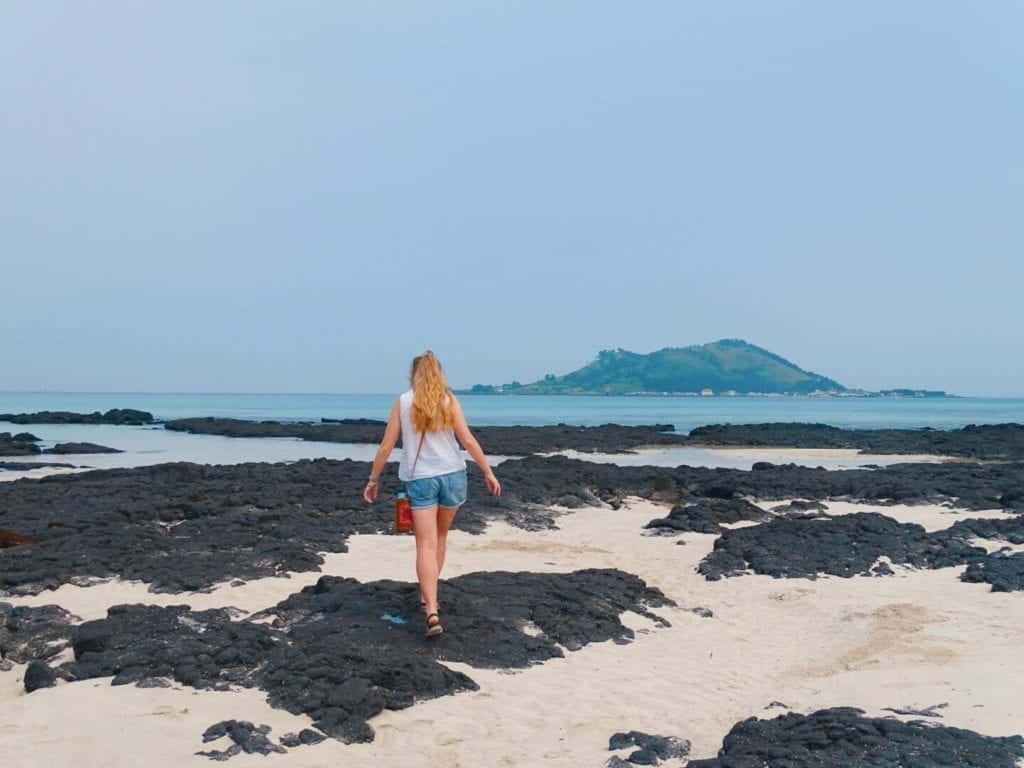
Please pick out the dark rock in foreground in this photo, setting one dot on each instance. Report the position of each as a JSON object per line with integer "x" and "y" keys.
{"x": 708, "y": 515}
{"x": 845, "y": 738}
{"x": 341, "y": 651}
{"x": 185, "y": 527}
{"x": 852, "y": 545}
{"x": 33, "y": 633}
{"x": 1005, "y": 572}
{"x": 988, "y": 441}
{"x": 651, "y": 749}
{"x": 502, "y": 441}
{"x": 846, "y": 545}
{"x": 124, "y": 416}
{"x": 39, "y": 675}
{"x": 71, "y": 448}
{"x": 245, "y": 737}
{"x": 305, "y": 737}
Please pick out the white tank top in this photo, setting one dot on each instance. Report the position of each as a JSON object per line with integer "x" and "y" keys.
{"x": 439, "y": 455}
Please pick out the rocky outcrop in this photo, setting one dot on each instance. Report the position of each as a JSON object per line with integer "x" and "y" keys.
{"x": 184, "y": 527}
{"x": 844, "y": 738}
{"x": 864, "y": 544}
{"x": 127, "y": 416}
{"x": 1003, "y": 570}
{"x": 23, "y": 444}
{"x": 80, "y": 448}
{"x": 342, "y": 651}
{"x": 244, "y": 736}
{"x": 707, "y": 516}
{"x": 23, "y": 466}
{"x": 846, "y": 545}
{"x": 649, "y": 749}
{"x": 997, "y": 442}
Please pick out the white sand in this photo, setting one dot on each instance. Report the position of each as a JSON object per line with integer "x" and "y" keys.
{"x": 918, "y": 638}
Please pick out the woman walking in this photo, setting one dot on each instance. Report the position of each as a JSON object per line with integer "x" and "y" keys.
{"x": 430, "y": 420}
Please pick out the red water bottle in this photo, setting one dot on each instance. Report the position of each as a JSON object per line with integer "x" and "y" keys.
{"x": 403, "y": 513}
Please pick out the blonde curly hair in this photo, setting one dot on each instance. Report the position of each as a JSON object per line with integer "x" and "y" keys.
{"x": 431, "y": 402}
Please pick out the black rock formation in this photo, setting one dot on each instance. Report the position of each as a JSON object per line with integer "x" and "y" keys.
{"x": 651, "y": 749}
{"x": 846, "y": 545}
{"x": 70, "y": 448}
{"x": 1005, "y": 572}
{"x": 39, "y": 675}
{"x": 245, "y": 737}
{"x": 305, "y": 737}
{"x": 341, "y": 651}
{"x": 124, "y": 416}
{"x": 22, "y": 444}
{"x": 989, "y": 441}
{"x": 852, "y": 545}
{"x": 33, "y": 633}
{"x": 707, "y": 516}
{"x": 845, "y": 738}
{"x": 185, "y": 527}
{"x": 23, "y": 466}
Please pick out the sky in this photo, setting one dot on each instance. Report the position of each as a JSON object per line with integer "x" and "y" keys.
{"x": 298, "y": 197}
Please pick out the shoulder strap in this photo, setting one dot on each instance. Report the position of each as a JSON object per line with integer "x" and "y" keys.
{"x": 417, "y": 459}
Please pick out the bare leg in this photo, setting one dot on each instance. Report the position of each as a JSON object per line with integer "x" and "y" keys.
{"x": 445, "y": 517}
{"x": 425, "y": 528}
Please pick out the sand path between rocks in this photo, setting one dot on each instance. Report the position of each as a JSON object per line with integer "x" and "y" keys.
{"x": 916, "y": 639}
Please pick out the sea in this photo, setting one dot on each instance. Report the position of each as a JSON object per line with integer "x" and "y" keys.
{"x": 153, "y": 444}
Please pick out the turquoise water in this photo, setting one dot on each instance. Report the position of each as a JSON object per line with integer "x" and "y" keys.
{"x": 684, "y": 412}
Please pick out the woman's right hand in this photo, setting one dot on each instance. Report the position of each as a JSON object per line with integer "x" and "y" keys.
{"x": 370, "y": 492}
{"x": 492, "y": 484}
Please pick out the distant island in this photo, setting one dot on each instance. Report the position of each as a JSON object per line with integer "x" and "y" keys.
{"x": 725, "y": 367}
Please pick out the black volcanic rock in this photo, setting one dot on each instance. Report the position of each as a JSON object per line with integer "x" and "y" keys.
{"x": 124, "y": 416}
{"x": 74, "y": 448}
{"x": 183, "y": 527}
{"x": 846, "y": 545}
{"x": 1003, "y": 442}
{"x": 708, "y": 515}
{"x": 845, "y": 738}
{"x": 38, "y": 675}
{"x": 245, "y": 737}
{"x": 651, "y": 749}
{"x": 115, "y": 416}
{"x": 33, "y": 633}
{"x": 22, "y": 444}
{"x": 23, "y": 466}
{"x": 1004, "y": 571}
{"x": 502, "y": 441}
{"x": 342, "y": 651}
{"x": 305, "y": 737}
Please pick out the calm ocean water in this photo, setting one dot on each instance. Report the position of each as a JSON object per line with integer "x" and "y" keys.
{"x": 684, "y": 412}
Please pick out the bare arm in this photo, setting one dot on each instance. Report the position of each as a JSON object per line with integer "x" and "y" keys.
{"x": 387, "y": 444}
{"x": 469, "y": 442}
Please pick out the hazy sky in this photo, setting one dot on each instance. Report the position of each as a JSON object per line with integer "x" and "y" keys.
{"x": 251, "y": 196}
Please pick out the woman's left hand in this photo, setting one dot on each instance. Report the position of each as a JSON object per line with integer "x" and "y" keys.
{"x": 370, "y": 492}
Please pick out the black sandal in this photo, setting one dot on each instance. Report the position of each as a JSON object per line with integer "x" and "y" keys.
{"x": 434, "y": 627}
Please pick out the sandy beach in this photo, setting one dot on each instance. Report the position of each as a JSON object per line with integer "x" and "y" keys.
{"x": 914, "y": 640}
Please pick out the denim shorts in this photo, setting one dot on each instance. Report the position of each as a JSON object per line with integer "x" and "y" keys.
{"x": 442, "y": 490}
